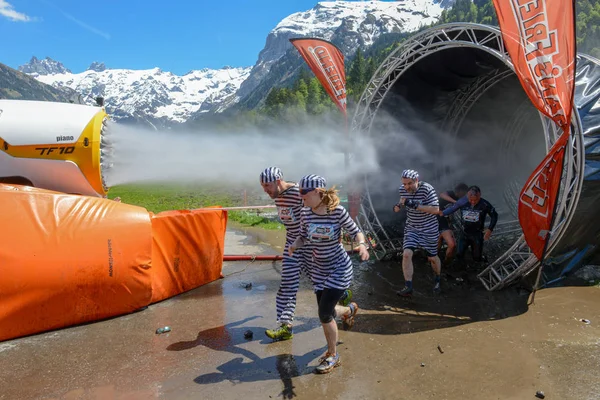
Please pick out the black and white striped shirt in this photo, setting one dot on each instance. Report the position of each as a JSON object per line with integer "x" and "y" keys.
{"x": 420, "y": 221}
{"x": 289, "y": 206}
{"x": 331, "y": 266}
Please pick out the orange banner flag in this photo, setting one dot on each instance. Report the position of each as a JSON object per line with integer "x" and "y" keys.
{"x": 540, "y": 39}
{"x": 327, "y": 63}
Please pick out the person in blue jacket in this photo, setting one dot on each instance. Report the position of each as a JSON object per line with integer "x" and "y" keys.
{"x": 474, "y": 209}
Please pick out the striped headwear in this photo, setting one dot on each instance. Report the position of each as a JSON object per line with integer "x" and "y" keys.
{"x": 312, "y": 182}
{"x": 410, "y": 174}
{"x": 270, "y": 174}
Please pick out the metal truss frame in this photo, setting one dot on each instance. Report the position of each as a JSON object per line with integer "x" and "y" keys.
{"x": 518, "y": 260}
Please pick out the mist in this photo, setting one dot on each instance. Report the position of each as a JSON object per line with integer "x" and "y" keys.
{"x": 399, "y": 138}
{"x": 483, "y": 151}
{"x": 139, "y": 155}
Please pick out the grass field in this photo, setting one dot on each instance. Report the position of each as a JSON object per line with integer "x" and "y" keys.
{"x": 164, "y": 197}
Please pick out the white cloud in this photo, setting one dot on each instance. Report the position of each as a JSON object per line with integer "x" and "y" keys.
{"x": 7, "y": 10}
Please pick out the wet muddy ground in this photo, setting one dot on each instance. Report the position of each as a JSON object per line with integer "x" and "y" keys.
{"x": 464, "y": 344}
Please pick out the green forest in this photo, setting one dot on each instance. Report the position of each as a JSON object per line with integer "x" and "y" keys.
{"x": 482, "y": 11}
{"x": 306, "y": 100}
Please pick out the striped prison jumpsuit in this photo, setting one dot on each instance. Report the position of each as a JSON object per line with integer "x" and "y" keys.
{"x": 289, "y": 204}
{"x": 421, "y": 229}
{"x": 331, "y": 267}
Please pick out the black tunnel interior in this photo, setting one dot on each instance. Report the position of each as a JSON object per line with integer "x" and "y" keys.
{"x": 496, "y": 146}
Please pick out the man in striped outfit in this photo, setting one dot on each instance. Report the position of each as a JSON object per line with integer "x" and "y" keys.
{"x": 289, "y": 204}
{"x": 421, "y": 229}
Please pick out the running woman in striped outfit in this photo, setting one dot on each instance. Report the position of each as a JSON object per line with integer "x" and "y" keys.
{"x": 289, "y": 204}
{"x": 421, "y": 229}
{"x": 322, "y": 220}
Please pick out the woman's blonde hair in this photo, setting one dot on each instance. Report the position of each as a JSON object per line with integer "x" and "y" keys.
{"x": 329, "y": 197}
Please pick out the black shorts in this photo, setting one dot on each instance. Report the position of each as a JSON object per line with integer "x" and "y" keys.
{"x": 327, "y": 299}
{"x": 474, "y": 241}
{"x": 443, "y": 223}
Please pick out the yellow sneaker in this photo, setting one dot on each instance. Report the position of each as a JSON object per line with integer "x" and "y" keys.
{"x": 284, "y": 332}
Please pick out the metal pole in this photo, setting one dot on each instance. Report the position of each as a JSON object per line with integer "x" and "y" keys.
{"x": 537, "y": 281}
{"x": 236, "y": 208}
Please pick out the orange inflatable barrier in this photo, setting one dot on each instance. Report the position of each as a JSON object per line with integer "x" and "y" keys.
{"x": 69, "y": 259}
{"x": 187, "y": 250}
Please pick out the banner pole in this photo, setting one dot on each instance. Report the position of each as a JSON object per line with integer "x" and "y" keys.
{"x": 347, "y": 146}
{"x": 539, "y": 275}
{"x": 546, "y": 243}
{"x": 351, "y": 186}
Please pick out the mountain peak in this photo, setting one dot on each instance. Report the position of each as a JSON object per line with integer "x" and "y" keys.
{"x": 97, "y": 66}
{"x": 327, "y": 16}
{"x": 163, "y": 97}
{"x": 348, "y": 24}
{"x": 47, "y": 66}
{"x": 154, "y": 95}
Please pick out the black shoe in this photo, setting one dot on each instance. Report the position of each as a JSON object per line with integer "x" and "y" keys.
{"x": 437, "y": 289}
{"x": 405, "y": 292}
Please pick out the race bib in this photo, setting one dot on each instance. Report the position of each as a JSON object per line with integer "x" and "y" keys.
{"x": 320, "y": 232}
{"x": 471, "y": 216}
{"x": 286, "y": 213}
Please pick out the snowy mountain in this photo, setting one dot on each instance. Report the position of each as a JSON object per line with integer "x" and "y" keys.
{"x": 348, "y": 24}
{"x": 153, "y": 96}
{"x": 47, "y": 66}
{"x": 159, "y": 97}
{"x": 19, "y": 86}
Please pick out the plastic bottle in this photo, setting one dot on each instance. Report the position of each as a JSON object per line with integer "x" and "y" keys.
{"x": 164, "y": 329}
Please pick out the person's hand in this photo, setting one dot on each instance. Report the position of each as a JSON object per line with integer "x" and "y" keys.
{"x": 291, "y": 250}
{"x": 414, "y": 204}
{"x": 487, "y": 235}
{"x": 397, "y": 207}
{"x": 440, "y": 213}
{"x": 364, "y": 253}
{"x": 402, "y": 200}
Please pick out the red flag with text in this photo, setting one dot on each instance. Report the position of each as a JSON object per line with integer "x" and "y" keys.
{"x": 539, "y": 36}
{"x": 327, "y": 63}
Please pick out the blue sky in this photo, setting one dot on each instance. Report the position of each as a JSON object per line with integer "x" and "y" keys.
{"x": 176, "y": 36}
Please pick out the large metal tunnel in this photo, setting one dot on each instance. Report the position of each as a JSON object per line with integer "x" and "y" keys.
{"x": 448, "y": 103}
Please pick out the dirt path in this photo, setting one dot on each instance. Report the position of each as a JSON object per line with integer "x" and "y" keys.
{"x": 494, "y": 346}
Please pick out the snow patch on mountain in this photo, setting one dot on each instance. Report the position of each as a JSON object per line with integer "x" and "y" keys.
{"x": 154, "y": 93}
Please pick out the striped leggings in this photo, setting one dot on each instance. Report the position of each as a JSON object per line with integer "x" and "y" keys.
{"x": 290, "y": 282}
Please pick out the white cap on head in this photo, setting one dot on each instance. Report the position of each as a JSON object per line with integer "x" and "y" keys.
{"x": 410, "y": 174}
{"x": 312, "y": 182}
{"x": 270, "y": 174}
